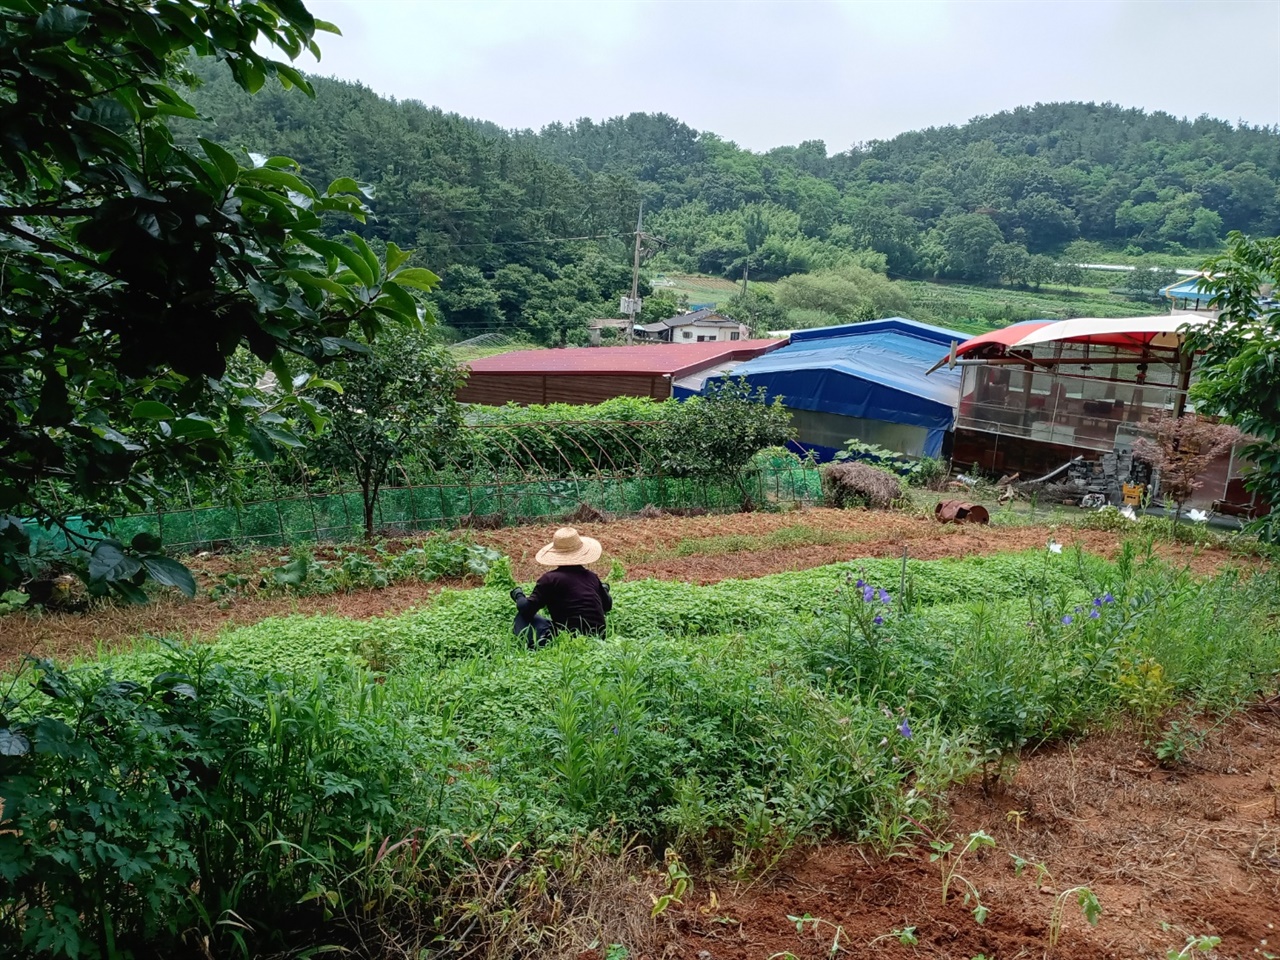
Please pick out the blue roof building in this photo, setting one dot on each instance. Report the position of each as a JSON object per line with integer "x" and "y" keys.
{"x": 866, "y": 381}
{"x": 1186, "y": 294}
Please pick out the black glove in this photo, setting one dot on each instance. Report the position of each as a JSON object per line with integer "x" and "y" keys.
{"x": 606, "y": 587}
{"x": 517, "y": 595}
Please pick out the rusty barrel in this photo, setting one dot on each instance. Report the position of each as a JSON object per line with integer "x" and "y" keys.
{"x": 958, "y": 511}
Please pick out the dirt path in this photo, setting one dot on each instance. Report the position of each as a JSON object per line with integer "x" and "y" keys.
{"x": 1170, "y": 854}
{"x": 703, "y": 549}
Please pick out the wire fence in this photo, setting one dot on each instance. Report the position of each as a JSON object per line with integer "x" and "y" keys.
{"x": 476, "y": 502}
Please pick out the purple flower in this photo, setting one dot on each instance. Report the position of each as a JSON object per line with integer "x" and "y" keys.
{"x": 1097, "y": 601}
{"x": 884, "y": 595}
{"x": 1094, "y": 614}
{"x": 905, "y": 728}
{"x": 877, "y": 620}
{"x": 1108, "y": 598}
{"x": 615, "y": 729}
{"x": 868, "y": 594}
{"x": 1067, "y": 619}
{"x": 861, "y": 583}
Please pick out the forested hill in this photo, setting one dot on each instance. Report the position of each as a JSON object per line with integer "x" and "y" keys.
{"x": 1045, "y": 175}
{"x": 496, "y": 211}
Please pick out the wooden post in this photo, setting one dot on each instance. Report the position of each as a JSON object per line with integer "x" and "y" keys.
{"x": 1184, "y": 383}
{"x": 635, "y": 275}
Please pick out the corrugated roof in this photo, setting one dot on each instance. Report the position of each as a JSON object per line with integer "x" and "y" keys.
{"x": 661, "y": 359}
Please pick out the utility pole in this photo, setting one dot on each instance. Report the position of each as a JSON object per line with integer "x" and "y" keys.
{"x": 745, "y": 268}
{"x": 634, "y": 302}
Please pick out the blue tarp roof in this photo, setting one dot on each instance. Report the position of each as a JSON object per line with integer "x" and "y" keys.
{"x": 873, "y": 371}
{"x": 1187, "y": 289}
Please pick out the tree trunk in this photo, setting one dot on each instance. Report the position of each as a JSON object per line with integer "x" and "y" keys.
{"x": 368, "y": 493}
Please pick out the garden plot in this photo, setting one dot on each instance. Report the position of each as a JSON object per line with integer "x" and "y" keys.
{"x": 750, "y": 729}
{"x": 697, "y": 549}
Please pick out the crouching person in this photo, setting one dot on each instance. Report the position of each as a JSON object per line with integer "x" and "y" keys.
{"x": 573, "y": 595}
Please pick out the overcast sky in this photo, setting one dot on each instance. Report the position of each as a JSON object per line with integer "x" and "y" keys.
{"x": 768, "y": 73}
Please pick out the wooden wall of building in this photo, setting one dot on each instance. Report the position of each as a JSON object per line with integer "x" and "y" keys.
{"x": 526, "y": 389}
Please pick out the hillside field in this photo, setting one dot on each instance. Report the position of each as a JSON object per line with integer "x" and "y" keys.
{"x": 816, "y": 779}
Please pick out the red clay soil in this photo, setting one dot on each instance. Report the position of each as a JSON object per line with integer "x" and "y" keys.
{"x": 1170, "y": 854}
{"x": 646, "y": 548}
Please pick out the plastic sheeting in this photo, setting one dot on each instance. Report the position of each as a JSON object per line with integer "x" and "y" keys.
{"x": 871, "y": 371}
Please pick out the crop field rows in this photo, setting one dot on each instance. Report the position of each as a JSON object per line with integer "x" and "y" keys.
{"x": 735, "y": 726}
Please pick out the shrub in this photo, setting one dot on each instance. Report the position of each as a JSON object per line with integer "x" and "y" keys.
{"x": 918, "y": 472}
{"x": 1181, "y": 449}
{"x": 204, "y": 800}
{"x": 714, "y": 436}
{"x": 860, "y": 484}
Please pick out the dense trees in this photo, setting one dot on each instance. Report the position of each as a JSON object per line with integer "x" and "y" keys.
{"x": 490, "y": 214}
{"x": 979, "y": 202}
{"x": 845, "y": 295}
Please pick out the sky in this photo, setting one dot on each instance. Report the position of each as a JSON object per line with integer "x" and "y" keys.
{"x": 766, "y": 73}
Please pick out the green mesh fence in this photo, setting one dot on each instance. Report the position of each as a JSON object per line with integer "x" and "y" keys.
{"x": 484, "y": 502}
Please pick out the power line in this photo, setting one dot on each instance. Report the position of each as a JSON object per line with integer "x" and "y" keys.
{"x": 518, "y": 243}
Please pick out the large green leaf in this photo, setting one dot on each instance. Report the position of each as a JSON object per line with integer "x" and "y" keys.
{"x": 13, "y": 744}
{"x": 279, "y": 178}
{"x": 108, "y": 562}
{"x": 352, "y": 260}
{"x": 395, "y": 257}
{"x": 170, "y": 573}
{"x": 419, "y": 278}
{"x": 152, "y": 410}
{"x": 222, "y": 159}
{"x": 363, "y": 248}
{"x": 61, "y": 22}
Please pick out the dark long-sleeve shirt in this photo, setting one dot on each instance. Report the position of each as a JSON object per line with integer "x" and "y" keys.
{"x": 574, "y": 597}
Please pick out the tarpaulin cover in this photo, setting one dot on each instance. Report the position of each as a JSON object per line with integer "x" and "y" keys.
{"x": 874, "y": 371}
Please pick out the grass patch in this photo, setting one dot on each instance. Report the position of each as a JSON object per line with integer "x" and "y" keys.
{"x": 973, "y": 309}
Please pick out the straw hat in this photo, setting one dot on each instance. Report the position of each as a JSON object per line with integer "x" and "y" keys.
{"x": 567, "y": 548}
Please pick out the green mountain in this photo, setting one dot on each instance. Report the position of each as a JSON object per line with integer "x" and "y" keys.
{"x": 502, "y": 214}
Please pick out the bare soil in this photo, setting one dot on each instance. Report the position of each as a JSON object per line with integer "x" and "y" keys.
{"x": 646, "y": 548}
{"x": 1170, "y": 854}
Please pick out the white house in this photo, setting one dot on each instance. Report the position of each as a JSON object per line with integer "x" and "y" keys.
{"x": 701, "y": 326}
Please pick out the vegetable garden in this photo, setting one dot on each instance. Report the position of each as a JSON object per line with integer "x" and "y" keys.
{"x": 422, "y": 782}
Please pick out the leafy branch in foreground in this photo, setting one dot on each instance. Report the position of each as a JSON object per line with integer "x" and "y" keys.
{"x": 134, "y": 269}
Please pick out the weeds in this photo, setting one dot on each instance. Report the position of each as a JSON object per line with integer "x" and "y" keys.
{"x": 349, "y": 568}
{"x": 1089, "y": 906}
{"x": 1194, "y": 945}
{"x": 815, "y": 925}
{"x": 942, "y": 853}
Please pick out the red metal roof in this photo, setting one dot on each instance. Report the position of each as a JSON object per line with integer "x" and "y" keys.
{"x": 656, "y": 360}
{"x": 1004, "y": 337}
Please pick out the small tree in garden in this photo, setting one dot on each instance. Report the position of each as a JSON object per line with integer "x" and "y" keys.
{"x": 1238, "y": 378}
{"x": 714, "y": 436}
{"x": 396, "y": 397}
{"x": 1181, "y": 449}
